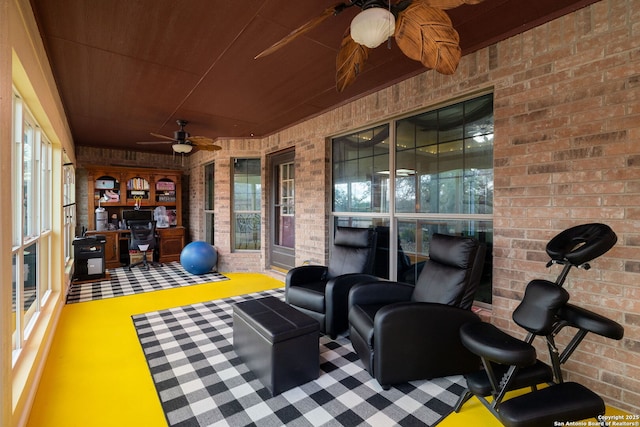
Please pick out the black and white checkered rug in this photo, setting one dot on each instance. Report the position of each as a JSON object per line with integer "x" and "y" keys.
{"x": 201, "y": 382}
{"x": 124, "y": 282}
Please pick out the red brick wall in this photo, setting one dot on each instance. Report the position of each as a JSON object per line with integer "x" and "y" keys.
{"x": 567, "y": 144}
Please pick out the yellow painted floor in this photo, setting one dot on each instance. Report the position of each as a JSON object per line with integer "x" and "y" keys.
{"x": 96, "y": 374}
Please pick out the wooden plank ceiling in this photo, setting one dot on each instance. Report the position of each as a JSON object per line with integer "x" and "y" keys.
{"x": 126, "y": 68}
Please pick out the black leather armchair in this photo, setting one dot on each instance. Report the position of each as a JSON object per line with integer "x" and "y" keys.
{"x": 322, "y": 291}
{"x": 403, "y": 332}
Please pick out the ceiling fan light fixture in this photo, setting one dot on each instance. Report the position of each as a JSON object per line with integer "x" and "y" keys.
{"x": 372, "y": 27}
{"x": 182, "y": 148}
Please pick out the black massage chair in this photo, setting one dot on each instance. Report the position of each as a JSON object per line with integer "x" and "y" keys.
{"x": 510, "y": 363}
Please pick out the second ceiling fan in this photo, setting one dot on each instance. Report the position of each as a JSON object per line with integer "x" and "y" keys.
{"x": 182, "y": 142}
{"x": 421, "y": 28}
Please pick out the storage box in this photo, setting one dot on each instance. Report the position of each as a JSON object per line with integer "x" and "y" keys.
{"x": 277, "y": 342}
{"x": 135, "y": 256}
{"x": 165, "y": 185}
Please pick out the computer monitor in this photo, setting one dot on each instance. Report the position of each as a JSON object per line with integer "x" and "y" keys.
{"x": 137, "y": 215}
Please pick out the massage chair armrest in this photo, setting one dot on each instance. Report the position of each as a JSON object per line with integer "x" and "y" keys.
{"x": 305, "y": 274}
{"x": 586, "y": 320}
{"x": 337, "y": 298}
{"x": 495, "y": 345}
{"x": 379, "y": 292}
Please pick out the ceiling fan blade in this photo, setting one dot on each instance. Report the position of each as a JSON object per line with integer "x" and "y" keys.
{"x": 447, "y": 4}
{"x": 198, "y": 140}
{"x": 330, "y": 11}
{"x": 162, "y": 136}
{"x": 350, "y": 61}
{"x": 211, "y": 147}
{"x": 203, "y": 143}
{"x": 426, "y": 34}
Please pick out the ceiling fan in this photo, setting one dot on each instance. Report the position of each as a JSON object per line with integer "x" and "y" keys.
{"x": 421, "y": 28}
{"x": 182, "y": 142}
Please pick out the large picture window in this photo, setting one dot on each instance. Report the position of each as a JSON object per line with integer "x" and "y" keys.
{"x": 432, "y": 174}
{"x": 31, "y": 219}
{"x": 247, "y": 194}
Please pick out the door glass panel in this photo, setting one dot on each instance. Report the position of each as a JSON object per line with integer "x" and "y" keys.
{"x": 285, "y": 209}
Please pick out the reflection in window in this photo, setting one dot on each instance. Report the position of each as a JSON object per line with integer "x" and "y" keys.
{"x": 247, "y": 193}
{"x": 30, "y": 280}
{"x": 361, "y": 171}
{"x": 28, "y": 185}
{"x": 449, "y": 153}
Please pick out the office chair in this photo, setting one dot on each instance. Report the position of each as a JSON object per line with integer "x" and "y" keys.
{"x": 143, "y": 239}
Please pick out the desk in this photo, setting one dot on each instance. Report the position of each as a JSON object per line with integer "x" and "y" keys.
{"x": 116, "y": 248}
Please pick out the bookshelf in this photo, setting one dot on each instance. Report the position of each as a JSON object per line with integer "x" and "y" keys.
{"x": 117, "y": 189}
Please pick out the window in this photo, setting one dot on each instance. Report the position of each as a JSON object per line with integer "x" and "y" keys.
{"x": 438, "y": 165}
{"x": 445, "y": 160}
{"x": 361, "y": 171}
{"x": 209, "y": 181}
{"x": 444, "y": 178}
{"x": 32, "y": 218}
{"x": 69, "y": 207}
{"x": 247, "y": 193}
{"x": 287, "y": 187}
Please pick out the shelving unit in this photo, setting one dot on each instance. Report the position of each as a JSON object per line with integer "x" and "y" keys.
{"x": 117, "y": 189}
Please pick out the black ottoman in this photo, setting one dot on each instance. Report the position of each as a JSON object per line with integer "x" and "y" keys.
{"x": 277, "y": 342}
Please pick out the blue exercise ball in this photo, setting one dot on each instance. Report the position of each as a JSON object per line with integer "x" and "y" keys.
{"x": 198, "y": 257}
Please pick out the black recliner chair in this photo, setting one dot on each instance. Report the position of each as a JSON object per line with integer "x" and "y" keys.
{"x": 322, "y": 291}
{"x": 510, "y": 363}
{"x": 403, "y": 332}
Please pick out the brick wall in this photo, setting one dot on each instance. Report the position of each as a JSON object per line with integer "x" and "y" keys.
{"x": 228, "y": 260}
{"x": 567, "y": 141}
{"x": 567, "y": 151}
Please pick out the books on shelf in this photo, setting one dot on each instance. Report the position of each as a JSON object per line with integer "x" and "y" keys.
{"x": 137, "y": 184}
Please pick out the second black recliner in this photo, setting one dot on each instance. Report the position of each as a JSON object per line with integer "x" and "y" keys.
{"x": 403, "y": 333}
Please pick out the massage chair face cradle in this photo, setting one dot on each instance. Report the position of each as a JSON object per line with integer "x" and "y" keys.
{"x": 511, "y": 364}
